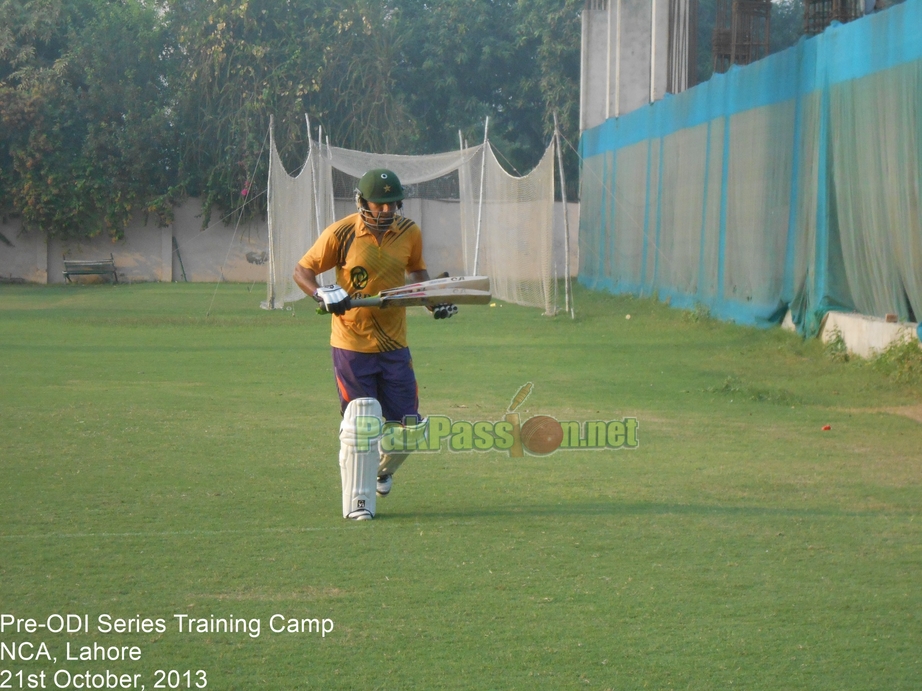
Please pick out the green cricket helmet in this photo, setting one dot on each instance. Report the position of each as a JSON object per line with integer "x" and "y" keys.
{"x": 380, "y": 186}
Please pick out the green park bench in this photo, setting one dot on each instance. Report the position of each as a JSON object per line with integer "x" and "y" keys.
{"x": 95, "y": 267}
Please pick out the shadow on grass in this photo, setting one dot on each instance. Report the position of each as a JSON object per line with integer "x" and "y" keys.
{"x": 624, "y": 509}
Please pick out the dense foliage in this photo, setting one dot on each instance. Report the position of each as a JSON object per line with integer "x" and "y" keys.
{"x": 84, "y": 114}
{"x": 109, "y": 107}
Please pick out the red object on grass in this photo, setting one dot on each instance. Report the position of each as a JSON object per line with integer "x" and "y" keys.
{"x": 826, "y": 428}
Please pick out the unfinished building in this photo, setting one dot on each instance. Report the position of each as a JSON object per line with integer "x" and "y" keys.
{"x": 742, "y": 29}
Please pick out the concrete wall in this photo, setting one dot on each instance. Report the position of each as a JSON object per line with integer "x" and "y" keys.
{"x": 27, "y": 259}
{"x": 228, "y": 252}
{"x": 237, "y": 254}
{"x": 865, "y": 336}
{"x": 619, "y": 37}
{"x": 138, "y": 256}
{"x": 594, "y": 106}
{"x": 146, "y": 252}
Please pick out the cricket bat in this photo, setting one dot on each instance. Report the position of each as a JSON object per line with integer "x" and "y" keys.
{"x": 459, "y": 290}
{"x": 427, "y": 298}
{"x": 442, "y": 282}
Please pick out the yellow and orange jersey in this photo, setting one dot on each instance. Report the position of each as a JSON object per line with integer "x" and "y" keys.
{"x": 365, "y": 268}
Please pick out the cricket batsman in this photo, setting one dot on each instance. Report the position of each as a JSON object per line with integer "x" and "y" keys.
{"x": 372, "y": 250}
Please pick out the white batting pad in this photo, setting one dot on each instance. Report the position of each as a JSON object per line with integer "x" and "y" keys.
{"x": 358, "y": 456}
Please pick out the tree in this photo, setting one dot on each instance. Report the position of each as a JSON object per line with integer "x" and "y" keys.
{"x": 787, "y": 24}
{"x": 108, "y": 107}
{"x": 398, "y": 76}
{"x": 84, "y": 102}
{"x": 364, "y": 76}
{"x": 552, "y": 31}
{"x": 241, "y": 61}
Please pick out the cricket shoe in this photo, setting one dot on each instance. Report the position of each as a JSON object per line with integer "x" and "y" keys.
{"x": 384, "y": 485}
{"x": 360, "y": 515}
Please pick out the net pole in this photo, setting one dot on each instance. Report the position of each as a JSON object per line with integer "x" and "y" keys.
{"x": 566, "y": 221}
{"x": 270, "y": 296}
{"x": 652, "y": 51}
{"x": 483, "y": 173}
{"x": 317, "y": 202}
{"x": 617, "y": 56}
{"x": 608, "y": 67}
{"x": 461, "y": 203}
{"x": 332, "y": 191}
{"x": 313, "y": 160}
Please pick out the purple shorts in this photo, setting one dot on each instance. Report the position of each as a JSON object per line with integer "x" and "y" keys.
{"x": 388, "y": 377}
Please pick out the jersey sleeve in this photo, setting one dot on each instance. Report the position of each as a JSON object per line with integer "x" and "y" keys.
{"x": 416, "y": 261}
{"x": 323, "y": 255}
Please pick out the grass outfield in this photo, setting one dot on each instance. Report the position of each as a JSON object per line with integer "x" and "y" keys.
{"x": 156, "y": 462}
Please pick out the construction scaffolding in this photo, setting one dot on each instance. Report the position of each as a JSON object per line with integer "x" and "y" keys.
{"x": 741, "y": 32}
{"x": 818, "y": 14}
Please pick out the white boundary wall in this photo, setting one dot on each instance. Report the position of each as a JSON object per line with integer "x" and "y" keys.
{"x": 146, "y": 253}
{"x": 864, "y": 336}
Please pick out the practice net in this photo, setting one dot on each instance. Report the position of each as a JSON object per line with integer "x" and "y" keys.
{"x": 475, "y": 217}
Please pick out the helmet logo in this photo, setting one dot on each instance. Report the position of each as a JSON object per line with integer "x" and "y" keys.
{"x": 387, "y": 188}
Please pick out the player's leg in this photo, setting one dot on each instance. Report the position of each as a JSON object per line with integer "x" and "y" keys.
{"x": 356, "y": 377}
{"x": 399, "y": 396}
{"x": 358, "y": 457}
{"x": 395, "y": 448}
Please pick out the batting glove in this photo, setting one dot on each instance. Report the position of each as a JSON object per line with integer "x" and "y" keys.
{"x": 333, "y": 299}
{"x": 444, "y": 311}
